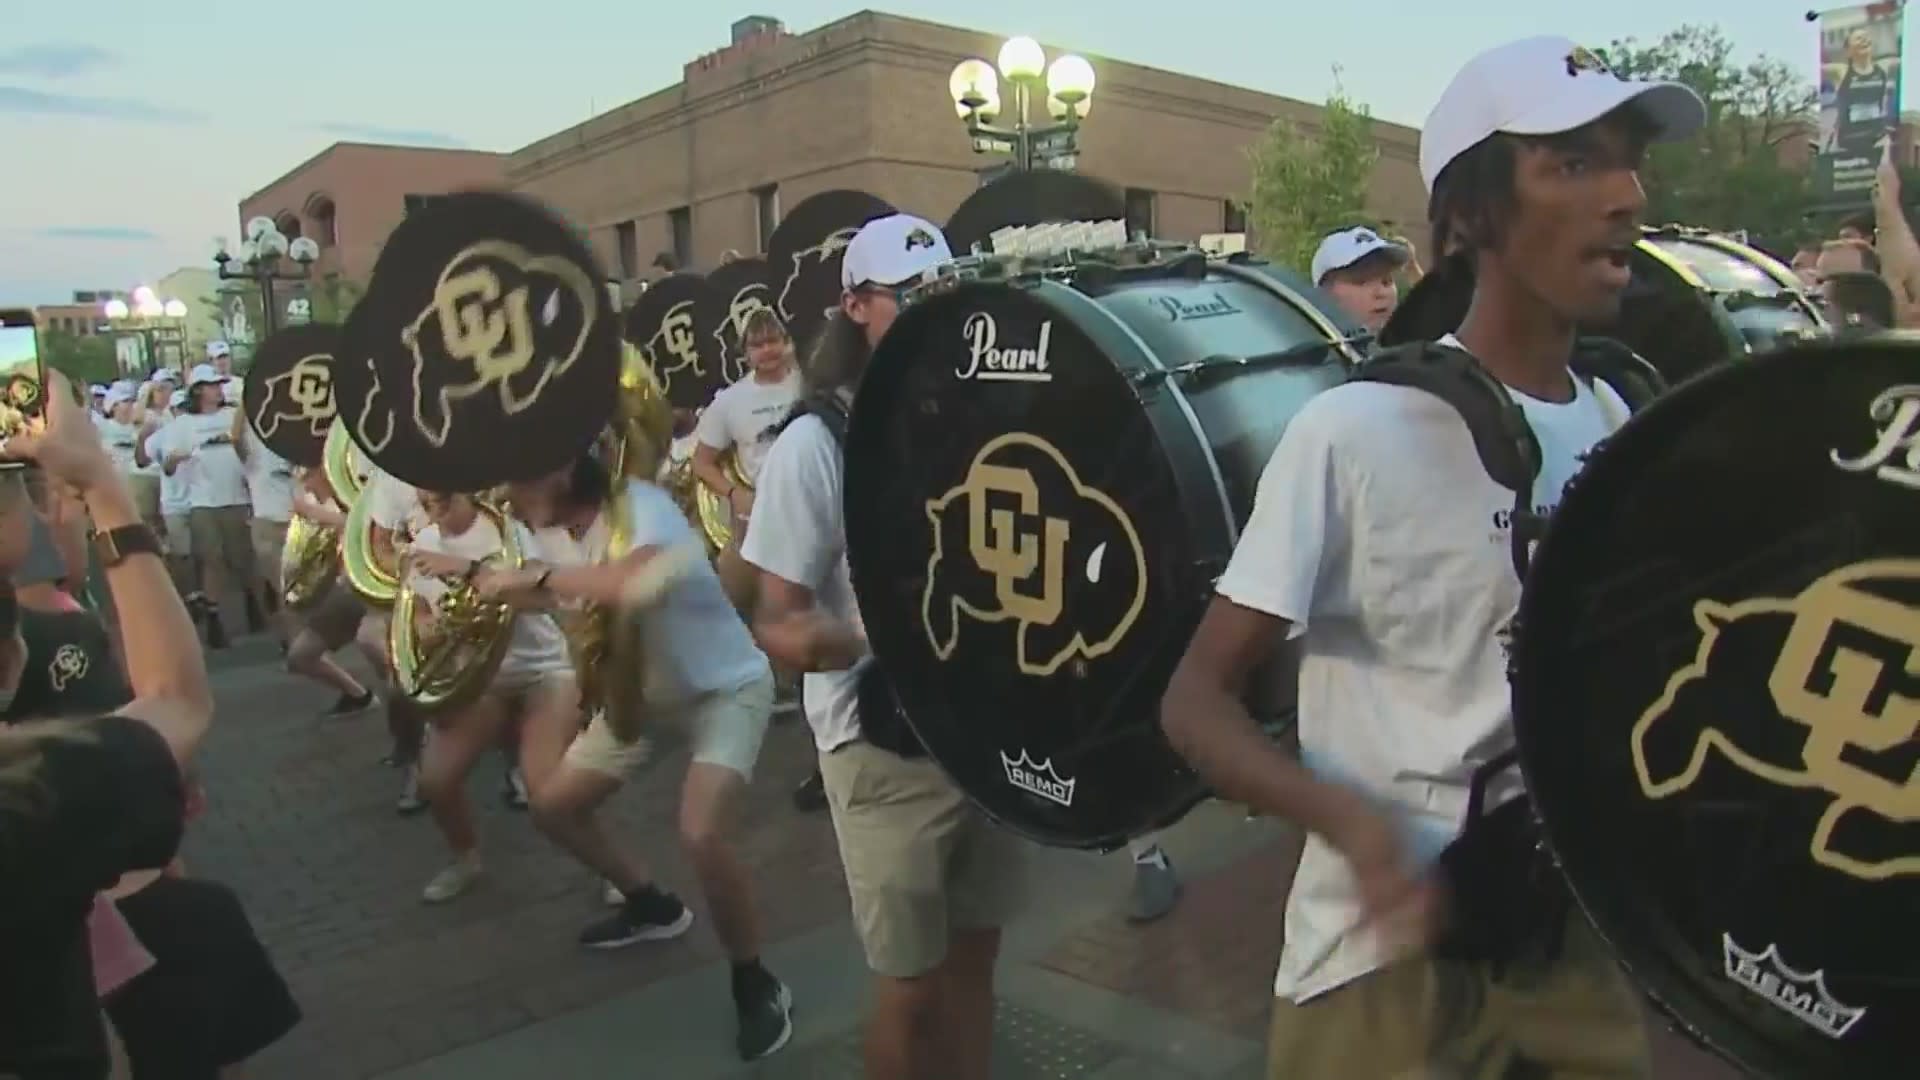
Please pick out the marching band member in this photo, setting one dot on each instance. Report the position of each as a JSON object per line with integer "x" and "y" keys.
{"x": 743, "y": 418}
{"x": 334, "y": 622}
{"x": 535, "y": 683}
{"x": 1368, "y": 542}
{"x": 395, "y": 514}
{"x": 703, "y": 672}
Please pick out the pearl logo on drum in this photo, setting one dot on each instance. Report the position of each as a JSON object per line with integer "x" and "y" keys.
{"x": 1895, "y": 455}
{"x": 989, "y": 361}
{"x": 1037, "y": 778}
{"x": 1802, "y": 994}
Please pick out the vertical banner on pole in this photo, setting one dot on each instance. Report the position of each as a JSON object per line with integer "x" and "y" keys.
{"x": 1859, "y": 99}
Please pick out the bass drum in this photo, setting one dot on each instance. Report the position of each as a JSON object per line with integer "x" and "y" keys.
{"x": 1697, "y": 298}
{"x": 1047, "y": 469}
{"x": 1716, "y": 698}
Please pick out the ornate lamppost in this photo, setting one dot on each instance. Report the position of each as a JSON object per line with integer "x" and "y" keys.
{"x": 261, "y": 262}
{"x": 1066, "y": 85}
{"x": 154, "y": 322}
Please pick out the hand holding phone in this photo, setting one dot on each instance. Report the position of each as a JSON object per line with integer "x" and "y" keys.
{"x": 23, "y": 376}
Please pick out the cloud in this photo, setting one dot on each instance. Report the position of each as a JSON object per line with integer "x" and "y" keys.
{"x": 19, "y": 99}
{"x": 111, "y": 233}
{"x": 55, "y": 61}
{"x": 376, "y": 133}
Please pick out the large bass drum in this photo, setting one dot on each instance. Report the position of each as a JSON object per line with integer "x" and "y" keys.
{"x": 1717, "y": 704}
{"x": 1047, "y": 468}
{"x": 1697, "y": 298}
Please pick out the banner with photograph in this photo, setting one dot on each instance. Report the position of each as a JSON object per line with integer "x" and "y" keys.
{"x": 1859, "y": 98}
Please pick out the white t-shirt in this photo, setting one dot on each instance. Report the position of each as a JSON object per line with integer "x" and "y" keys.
{"x": 537, "y": 645}
{"x": 798, "y": 534}
{"x": 173, "y": 488}
{"x": 214, "y": 475}
{"x": 269, "y": 479}
{"x": 694, "y": 640}
{"x": 119, "y": 440}
{"x": 230, "y": 390}
{"x": 1378, "y": 535}
{"x": 743, "y": 417}
{"x": 393, "y": 504}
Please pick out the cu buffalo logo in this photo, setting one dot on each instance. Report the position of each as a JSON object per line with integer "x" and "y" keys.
{"x": 815, "y": 268}
{"x": 1818, "y": 692}
{"x": 1022, "y": 540}
{"x": 69, "y": 666}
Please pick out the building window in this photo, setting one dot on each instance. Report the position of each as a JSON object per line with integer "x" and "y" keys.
{"x": 1233, "y": 217}
{"x": 626, "y": 239}
{"x": 321, "y": 212}
{"x": 1139, "y": 212}
{"x": 289, "y": 226}
{"x": 766, "y": 211}
{"x": 680, "y": 226}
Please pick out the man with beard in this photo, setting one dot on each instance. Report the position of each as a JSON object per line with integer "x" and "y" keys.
{"x": 1369, "y": 542}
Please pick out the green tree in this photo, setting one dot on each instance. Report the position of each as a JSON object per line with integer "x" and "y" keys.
{"x": 81, "y": 358}
{"x": 334, "y": 297}
{"x": 1741, "y": 171}
{"x": 1308, "y": 182}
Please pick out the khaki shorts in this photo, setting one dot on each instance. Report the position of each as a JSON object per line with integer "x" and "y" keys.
{"x": 179, "y": 535}
{"x": 336, "y": 618}
{"x": 724, "y": 728}
{"x": 921, "y": 861}
{"x": 221, "y": 534}
{"x": 1427, "y": 1019}
{"x": 145, "y": 489}
{"x": 269, "y": 542}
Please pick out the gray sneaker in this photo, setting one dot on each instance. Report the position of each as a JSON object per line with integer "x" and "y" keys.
{"x": 1156, "y": 888}
{"x": 410, "y": 801}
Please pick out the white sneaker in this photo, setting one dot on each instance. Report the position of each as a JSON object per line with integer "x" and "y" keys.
{"x": 450, "y": 883}
{"x": 611, "y": 895}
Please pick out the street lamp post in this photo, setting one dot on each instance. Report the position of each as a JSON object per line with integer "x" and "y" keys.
{"x": 1067, "y": 84}
{"x": 260, "y": 262}
{"x": 153, "y": 320}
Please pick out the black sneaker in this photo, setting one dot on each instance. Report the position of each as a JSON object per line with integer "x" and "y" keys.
{"x": 216, "y": 631}
{"x": 765, "y": 1011}
{"x": 650, "y": 914}
{"x": 351, "y": 706}
{"x": 811, "y": 795}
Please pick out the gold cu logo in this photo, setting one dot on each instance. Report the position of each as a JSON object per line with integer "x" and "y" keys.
{"x": 675, "y": 340}
{"x": 732, "y": 331}
{"x": 485, "y": 313}
{"x": 69, "y": 665}
{"x": 1840, "y": 713}
{"x": 1074, "y": 582}
{"x": 820, "y": 255}
{"x": 307, "y": 388}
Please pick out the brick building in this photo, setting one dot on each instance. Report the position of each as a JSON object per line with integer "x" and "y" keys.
{"x": 84, "y": 316}
{"x": 348, "y": 197}
{"x": 705, "y": 165}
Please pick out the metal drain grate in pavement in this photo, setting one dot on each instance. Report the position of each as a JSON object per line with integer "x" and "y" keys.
{"x": 1026, "y": 1046}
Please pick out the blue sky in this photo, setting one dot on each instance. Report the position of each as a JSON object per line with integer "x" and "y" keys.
{"x": 129, "y": 131}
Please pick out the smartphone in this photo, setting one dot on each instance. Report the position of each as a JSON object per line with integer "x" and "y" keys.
{"x": 23, "y": 376}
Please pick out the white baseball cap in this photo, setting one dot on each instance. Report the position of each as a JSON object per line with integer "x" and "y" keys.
{"x": 1348, "y": 246}
{"x": 118, "y": 393}
{"x": 205, "y": 373}
{"x": 1543, "y": 86}
{"x": 218, "y": 349}
{"x": 893, "y": 250}
{"x": 166, "y": 375}
{"x": 178, "y": 399}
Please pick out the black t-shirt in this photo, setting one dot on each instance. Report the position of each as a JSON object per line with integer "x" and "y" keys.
{"x": 70, "y": 669}
{"x": 1862, "y": 100}
{"x": 100, "y": 801}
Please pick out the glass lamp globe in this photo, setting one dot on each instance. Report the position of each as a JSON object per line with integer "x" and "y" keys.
{"x": 304, "y": 250}
{"x": 1070, "y": 78}
{"x": 258, "y": 226}
{"x": 116, "y": 309}
{"x": 972, "y": 84}
{"x": 176, "y": 309}
{"x": 1022, "y": 58}
{"x": 271, "y": 244}
{"x": 150, "y": 308}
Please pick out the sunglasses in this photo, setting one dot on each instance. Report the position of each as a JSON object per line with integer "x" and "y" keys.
{"x": 898, "y": 292}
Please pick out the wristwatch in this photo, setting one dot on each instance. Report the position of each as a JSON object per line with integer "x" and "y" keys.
{"x": 114, "y": 545}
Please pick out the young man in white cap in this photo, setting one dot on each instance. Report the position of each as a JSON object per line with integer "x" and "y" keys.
{"x": 220, "y": 358}
{"x": 1357, "y": 267}
{"x": 931, "y": 879}
{"x": 1532, "y": 159}
{"x": 200, "y": 441}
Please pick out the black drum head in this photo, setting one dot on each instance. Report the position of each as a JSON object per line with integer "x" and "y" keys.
{"x": 288, "y": 391}
{"x": 737, "y": 290}
{"x": 485, "y": 350}
{"x": 672, "y": 326}
{"x": 803, "y": 256}
{"x": 1020, "y": 570}
{"x": 1031, "y": 198}
{"x": 1716, "y": 692}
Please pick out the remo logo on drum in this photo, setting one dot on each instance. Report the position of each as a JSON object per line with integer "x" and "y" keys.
{"x": 1023, "y": 540}
{"x": 987, "y": 361}
{"x": 1838, "y": 715}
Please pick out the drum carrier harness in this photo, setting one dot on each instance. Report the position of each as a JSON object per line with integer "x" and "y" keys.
{"x": 882, "y": 722}
{"x": 1509, "y": 903}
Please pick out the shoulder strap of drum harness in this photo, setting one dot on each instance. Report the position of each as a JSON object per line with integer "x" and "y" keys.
{"x": 882, "y": 722}
{"x": 1508, "y": 903}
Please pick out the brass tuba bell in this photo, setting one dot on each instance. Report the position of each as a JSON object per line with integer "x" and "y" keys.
{"x": 455, "y": 663}
{"x": 375, "y": 578}
{"x": 310, "y": 561}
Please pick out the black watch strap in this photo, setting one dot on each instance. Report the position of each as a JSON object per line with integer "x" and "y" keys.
{"x": 114, "y": 545}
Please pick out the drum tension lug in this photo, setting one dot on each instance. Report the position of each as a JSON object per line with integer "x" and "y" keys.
{"x": 1210, "y": 369}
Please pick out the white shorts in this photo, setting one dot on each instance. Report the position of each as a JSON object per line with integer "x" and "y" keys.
{"x": 725, "y": 728}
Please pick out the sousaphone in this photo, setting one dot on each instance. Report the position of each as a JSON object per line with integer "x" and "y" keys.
{"x": 287, "y": 397}
{"x": 804, "y": 254}
{"x": 486, "y": 353}
{"x": 738, "y": 290}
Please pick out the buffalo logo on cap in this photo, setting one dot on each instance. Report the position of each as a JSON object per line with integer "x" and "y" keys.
{"x": 301, "y": 394}
{"x": 1023, "y": 540}
{"x": 672, "y": 349}
{"x": 919, "y": 238}
{"x": 501, "y": 320}
{"x": 70, "y": 664}
{"x": 1837, "y": 712}
{"x": 1585, "y": 59}
{"x": 731, "y": 333}
{"x": 819, "y": 255}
